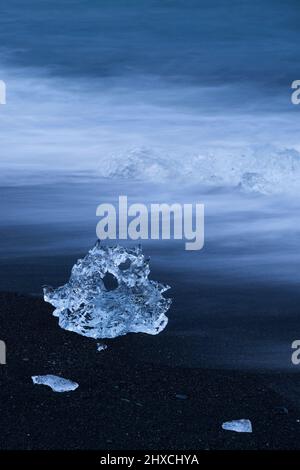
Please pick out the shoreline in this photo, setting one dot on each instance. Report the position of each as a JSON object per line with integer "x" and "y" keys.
{"x": 124, "y": 402}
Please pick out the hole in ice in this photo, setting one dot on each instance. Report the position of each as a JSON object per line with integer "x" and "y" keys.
{"x": 110, "y": 281}
{"x": 125, "y": 265}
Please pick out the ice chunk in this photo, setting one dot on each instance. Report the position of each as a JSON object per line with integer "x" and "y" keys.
{"x": 58, "y": 384}
{"x": 101, "y": 347}
{"x": 109, "y": 294}
{"x": 240, "y": 425}
{"x": 181, "y": 396}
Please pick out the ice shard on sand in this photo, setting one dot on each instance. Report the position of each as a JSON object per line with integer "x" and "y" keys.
{"x": 56, "y": 383}
{"x": 239, "y": 425}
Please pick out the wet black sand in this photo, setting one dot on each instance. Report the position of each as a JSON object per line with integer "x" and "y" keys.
{"x": 125, "y": 401}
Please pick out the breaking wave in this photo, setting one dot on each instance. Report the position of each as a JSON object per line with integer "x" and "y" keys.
{"x": 53, "y": 130}
{"x": 264, "y": 169}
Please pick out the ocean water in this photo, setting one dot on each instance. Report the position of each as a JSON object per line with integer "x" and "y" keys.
{"x": 153, "y": 89}
{"x": 164, "y": 101}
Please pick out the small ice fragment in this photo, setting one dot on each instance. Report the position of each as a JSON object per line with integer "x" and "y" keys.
{"x": 181, "y": 396}
{"x": 101, "y": 347}
{"x": 57, "y": 384}
{"x": 240, "y": 425}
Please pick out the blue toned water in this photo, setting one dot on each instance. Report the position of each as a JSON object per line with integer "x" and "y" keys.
{"x": 152, "y": 89}
{"x": 182, "y": 101}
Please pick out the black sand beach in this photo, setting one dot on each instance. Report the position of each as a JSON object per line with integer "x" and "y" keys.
{"x": 125, "y": 402}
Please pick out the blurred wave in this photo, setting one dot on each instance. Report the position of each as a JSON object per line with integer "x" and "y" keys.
{"x": 261, "y": 169}
{"x": 165, "y": 91}
{"x": 141, "y": 128}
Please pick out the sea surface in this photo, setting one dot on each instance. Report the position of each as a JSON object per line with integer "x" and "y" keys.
{"x": 162, "y": 101}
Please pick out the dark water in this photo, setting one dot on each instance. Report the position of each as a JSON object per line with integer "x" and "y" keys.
{"x": 206, "y": 41}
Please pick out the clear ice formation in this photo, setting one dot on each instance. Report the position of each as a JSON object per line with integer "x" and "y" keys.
{"x": 109, "y": 295}
{"x": 240, "y": 425}
{"x": 56, "y": 383}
